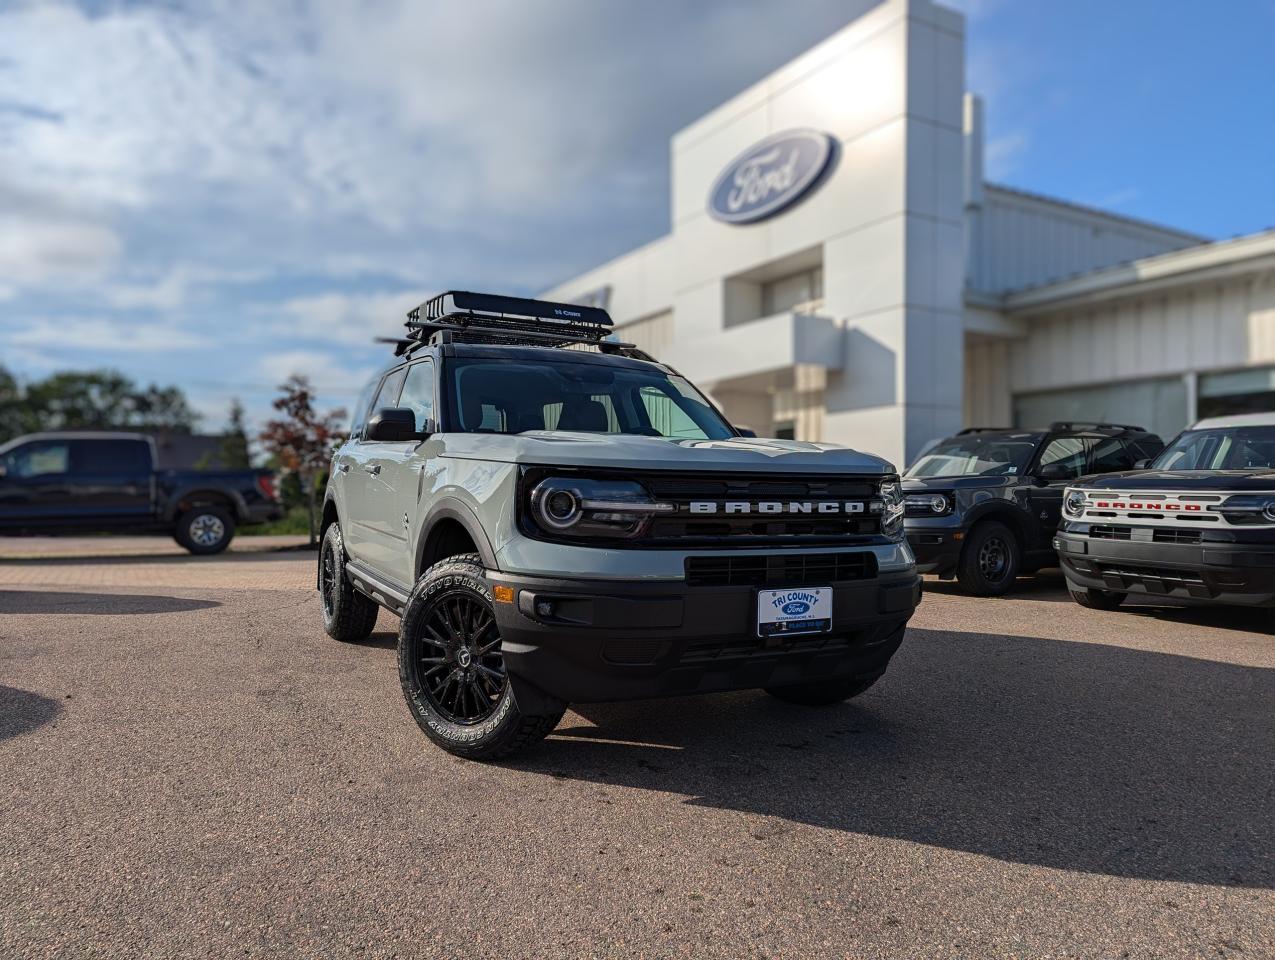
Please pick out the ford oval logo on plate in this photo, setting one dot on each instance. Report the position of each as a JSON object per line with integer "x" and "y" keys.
{"x": 770, "y": 176}
{"x": 796, "y": 608}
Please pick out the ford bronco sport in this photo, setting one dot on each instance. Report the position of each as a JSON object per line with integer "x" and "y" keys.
{"x": 556, "y": 517}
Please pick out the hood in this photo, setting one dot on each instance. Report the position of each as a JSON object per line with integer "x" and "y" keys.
{"x": 1227, "y": 481}
{"x": 924, "y": 484}
{"x": 629, "y": 452}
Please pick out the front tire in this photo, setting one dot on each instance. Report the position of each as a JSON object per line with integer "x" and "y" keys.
{"x": 1096, "y": 599}
{"x": 205, "y": 530}
{"x": 452, "y": 670}
{"x": 821, "y": 693}
{"x": 348, "y": 616}
{"x": 990, "y": 560}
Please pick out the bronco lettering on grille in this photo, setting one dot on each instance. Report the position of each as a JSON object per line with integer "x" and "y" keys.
{"x": 1151, "y": 507}
{"x": 777, "y": 506}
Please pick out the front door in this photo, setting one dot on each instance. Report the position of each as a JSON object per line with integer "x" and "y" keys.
{"x": 35, "y": 490}
{"x": 1061, "y": 461}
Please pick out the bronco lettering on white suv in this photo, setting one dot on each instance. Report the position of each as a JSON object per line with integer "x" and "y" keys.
{"x": 567, "y": 525}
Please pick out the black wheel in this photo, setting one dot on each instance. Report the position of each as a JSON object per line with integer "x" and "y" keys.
{"x": 348, "y": 616}
{"x": 452, "y": 669}
{"x": 205, "y": 530}
{"x": 989, "y": 560}
{"x": 821, "y": 693}
{"x": 1096, "y": 599}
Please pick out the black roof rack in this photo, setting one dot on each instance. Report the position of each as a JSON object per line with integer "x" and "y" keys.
{"x": 989, "y": 430}
{"x": 1082, "y": 425}
{"x": 492, "y": 318}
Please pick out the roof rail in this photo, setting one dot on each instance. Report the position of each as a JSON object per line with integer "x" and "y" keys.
{"x": 492, "y": 318}
{"x": 1083, "y": 425}
{"x": 969, "y": 430}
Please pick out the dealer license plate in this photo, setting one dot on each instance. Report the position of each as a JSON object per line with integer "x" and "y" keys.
{"x": 799, "y": 610}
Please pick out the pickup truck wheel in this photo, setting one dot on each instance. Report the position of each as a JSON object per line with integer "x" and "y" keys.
{"x": 990, "y": 560}
{"x": 1097, "y": 599}
{"x": 204, "y": 530}
{"x": 821, "y": 693}
{"x": 452, "y": 669}
{"x": 348, "y": 616}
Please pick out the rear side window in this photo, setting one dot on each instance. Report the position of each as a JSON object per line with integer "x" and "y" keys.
{"x": 1110, "y": 456}
{"x": 110, "y": 457}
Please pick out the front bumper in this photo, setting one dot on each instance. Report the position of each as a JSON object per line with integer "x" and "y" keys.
{"x": 1207, "y": 572}
{"x": 936, "y": 542}
{"x": 265, "y": 512}
{"x": 630, "y": 640}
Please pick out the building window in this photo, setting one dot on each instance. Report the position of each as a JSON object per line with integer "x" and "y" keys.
{"x": 786, "y": 431}
{"x": 798, "y": 292}
{"x": 1240, "y": 391}
{"x": 1160, "y": 405}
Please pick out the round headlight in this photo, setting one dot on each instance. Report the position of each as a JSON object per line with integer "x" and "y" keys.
{"x": 1268, "y": 511}
{"x": 557, "y": 507}
{"x": 1074, "y": 503}
{"x": 938, "y": 503}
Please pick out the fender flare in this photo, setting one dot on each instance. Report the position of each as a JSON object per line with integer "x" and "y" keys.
{"x": 453, "y": 508}
{"x": 236, "y": 499}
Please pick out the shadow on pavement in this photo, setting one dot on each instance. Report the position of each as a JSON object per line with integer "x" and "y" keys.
{"x": 1069, "y": 755}
{"x": 67, "y": 560}
{"x": 22, "y": 711}
{"x": 111, "y": 604}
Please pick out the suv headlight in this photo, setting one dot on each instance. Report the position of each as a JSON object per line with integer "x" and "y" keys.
{"x": 1074, "y": 503}
{"x": 1248, "y": 509}
{"x": 585, "y": 507}
{"x": 926, "y": 504}
{"x": 892, "y": 508}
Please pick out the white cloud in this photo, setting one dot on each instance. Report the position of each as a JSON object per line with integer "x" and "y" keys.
{"x": 344, "y": 317}
{"x": 326, "y": 373}
{"x": 36, "y": 250}
{"x": 101, "y": 334}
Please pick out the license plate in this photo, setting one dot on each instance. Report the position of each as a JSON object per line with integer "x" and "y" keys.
{"x": 799, "y": 610}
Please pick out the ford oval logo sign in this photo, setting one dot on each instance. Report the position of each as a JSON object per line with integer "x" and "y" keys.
{"x": 770, "y": 176}
{"x": 795, "y": 608}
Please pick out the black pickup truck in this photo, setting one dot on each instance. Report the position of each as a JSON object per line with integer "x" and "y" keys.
{"x": 108, "y": 482}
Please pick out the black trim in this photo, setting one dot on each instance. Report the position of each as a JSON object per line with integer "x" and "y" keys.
{"x": 452, "y": 508}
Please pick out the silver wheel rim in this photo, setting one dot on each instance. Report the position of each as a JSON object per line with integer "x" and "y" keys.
{"x": 207, "y": 530}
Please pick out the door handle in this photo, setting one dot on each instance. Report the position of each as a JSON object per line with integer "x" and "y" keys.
{"x": 372, "y": 468}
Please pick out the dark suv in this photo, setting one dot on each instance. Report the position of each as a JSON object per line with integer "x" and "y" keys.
{"x": 983, "y": 506}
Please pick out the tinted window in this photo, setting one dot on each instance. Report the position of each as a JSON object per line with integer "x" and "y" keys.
{"x": 1110, "y": 456}
{"x": 111, "y": 457}
{"x": 418, "y": 393}
{"x": 40, "y": 459}
{"x": 1063, "y": 458}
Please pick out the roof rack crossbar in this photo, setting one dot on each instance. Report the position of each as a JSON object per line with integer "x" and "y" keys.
{"x": 1085, "y": 425}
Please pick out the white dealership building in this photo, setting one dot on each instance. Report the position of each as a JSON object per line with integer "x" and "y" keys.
{"x": 839, "y": 269}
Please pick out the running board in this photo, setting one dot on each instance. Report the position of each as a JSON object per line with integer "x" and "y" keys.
{"x": 369, "y": 584}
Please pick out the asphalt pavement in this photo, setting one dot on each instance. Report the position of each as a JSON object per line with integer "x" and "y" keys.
{"x": 189, "y": 767}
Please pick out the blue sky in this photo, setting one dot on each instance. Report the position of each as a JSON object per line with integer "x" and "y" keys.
{"x": 218, "y": 195}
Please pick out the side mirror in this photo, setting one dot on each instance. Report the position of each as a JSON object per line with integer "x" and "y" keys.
{"x": 392, "y": 424}
{"x": 1047, "y": 475}
{"x": 745, "y": 432}
{"x": 1142, "y": 464}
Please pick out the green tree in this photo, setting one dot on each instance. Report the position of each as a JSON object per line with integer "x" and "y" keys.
{"x": 15, "y": 416}
{"x": 234, "y": 448}
{"x": 105, "y": 400}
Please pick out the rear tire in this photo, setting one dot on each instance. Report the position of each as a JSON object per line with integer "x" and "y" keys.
{"x": 205, "y": 530}
{"x": 990, "y": 560}
{"x": 821, "y": 693}
{"x": 348, "y": 616}
{"x": 1097, "y": 599}
{"x": 453, "y": 672}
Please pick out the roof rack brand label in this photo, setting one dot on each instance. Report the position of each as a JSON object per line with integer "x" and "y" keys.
{"x": 770, "y": 176}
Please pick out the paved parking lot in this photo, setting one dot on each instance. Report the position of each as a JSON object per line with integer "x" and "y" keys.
{"x": 189, "y": 767}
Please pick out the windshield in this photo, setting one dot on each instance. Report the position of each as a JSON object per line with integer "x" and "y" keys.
{"x": 977, "y": 454}
{"x": 1224, "y": 448}
{"x": 509, "y": 396}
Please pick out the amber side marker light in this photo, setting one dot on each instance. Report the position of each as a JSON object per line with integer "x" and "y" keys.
{"x": 503, "y": 594}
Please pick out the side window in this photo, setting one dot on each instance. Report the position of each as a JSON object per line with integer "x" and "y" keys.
{"x": 39, "y": 459}
{"x": 110, "y": 458}
{"x": 388, "y": 394}
{"x": 1111, "y": 456}
{"x": 418, "y": 393}
{"x": 1062, "y": 459}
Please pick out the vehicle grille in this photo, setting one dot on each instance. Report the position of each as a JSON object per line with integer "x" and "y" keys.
{"x": 1102, "y": 531}
{"x": 1170, "y": 535}
{"x": 788, "y": 525}
{"x": 794, "y": 570}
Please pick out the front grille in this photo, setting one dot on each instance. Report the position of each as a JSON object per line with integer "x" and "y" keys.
{"x": 1155, "y": 580}
{"x": 1176, "y": 536}
{"x": 793, "y": 570}
{"x": 795, "y": 502}
{"x": 1103, "y": 531}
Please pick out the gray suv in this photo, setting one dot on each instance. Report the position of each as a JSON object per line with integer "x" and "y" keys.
{"x": 558, "y": 518}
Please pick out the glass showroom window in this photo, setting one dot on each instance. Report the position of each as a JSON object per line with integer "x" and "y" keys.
{"x": 1240, "y": 391}
{"x": 1159, "y": 405}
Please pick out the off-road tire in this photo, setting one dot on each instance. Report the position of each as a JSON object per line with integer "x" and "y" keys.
{"x": 821, "y": 693}
{"x": 1097, "y": 599}
{"x": 204, "y": 530}
{"x": 506, "y": 729}
{"x": 348, "y": 615}
{"x": 990, "y": 560}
